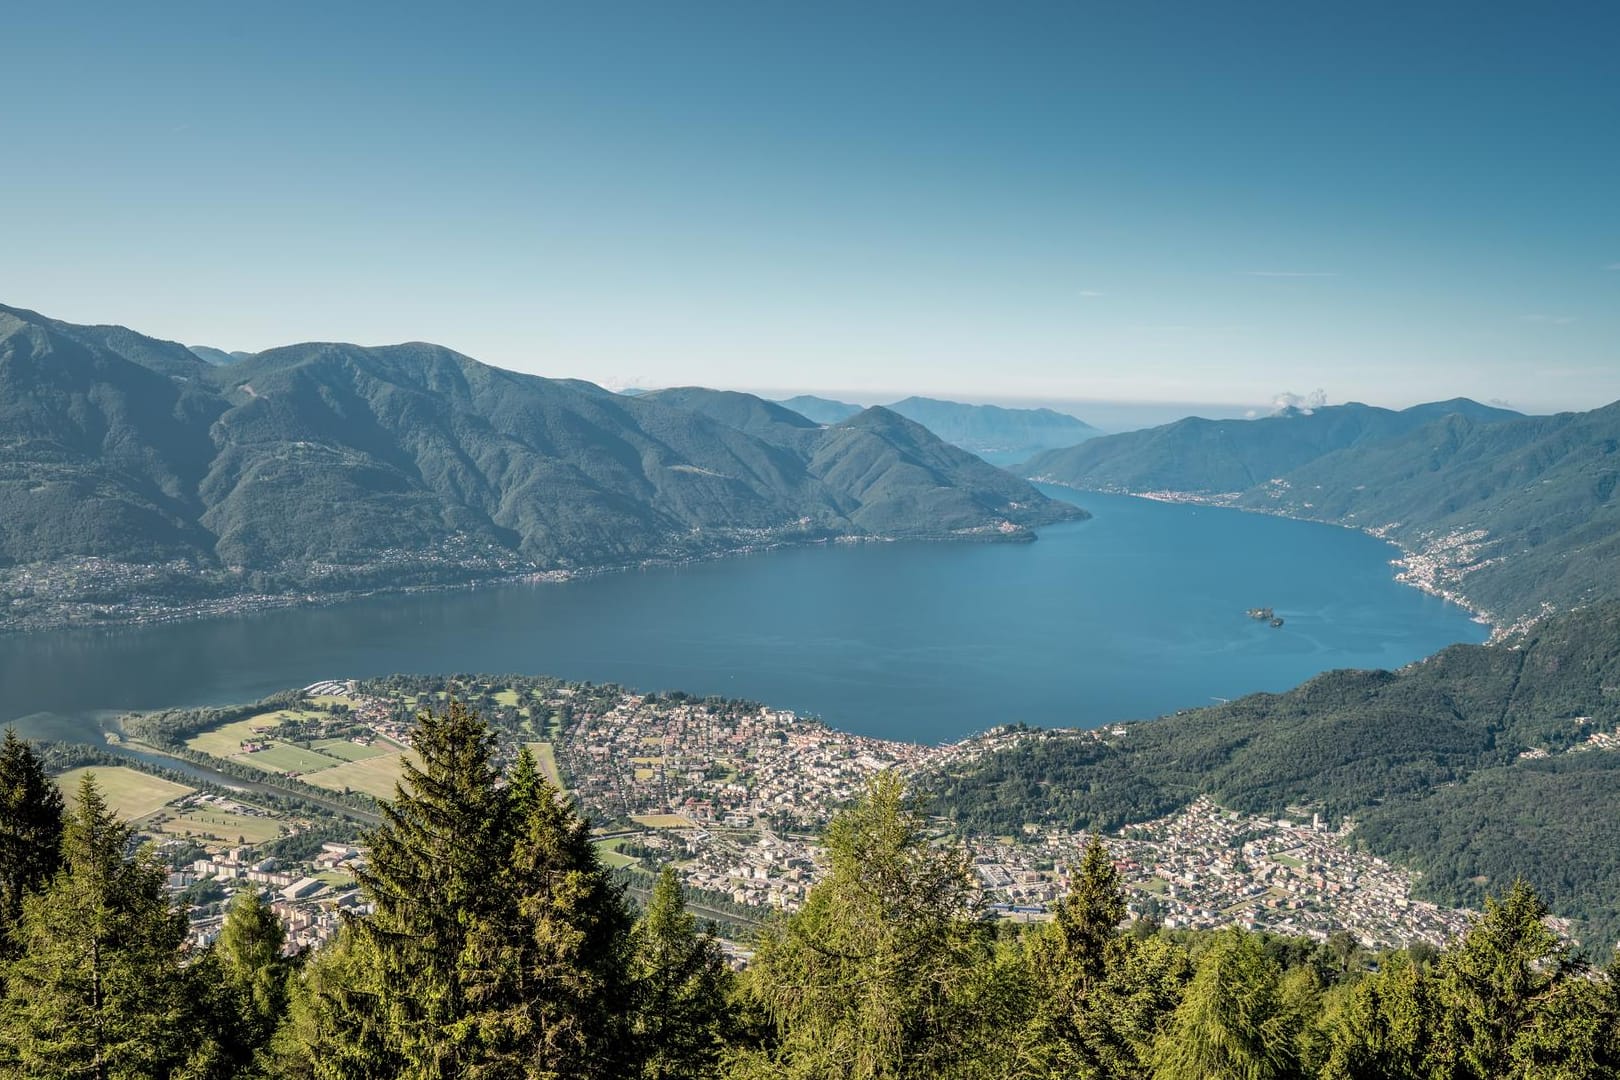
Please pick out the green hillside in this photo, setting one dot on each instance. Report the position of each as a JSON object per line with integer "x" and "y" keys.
{"x": 1514, "y": 514}
{"x": 1427, "y": 759}
{"x": 333, "y": 467}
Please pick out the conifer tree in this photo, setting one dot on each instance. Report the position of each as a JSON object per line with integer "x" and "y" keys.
{"x": 98, "y": 990}
{"x": 1385, "y": 1028}
{"x": 1232, "y": 1023}
{"x": 548, "y": 972}
{"x": 1097, "y": 995}
{"x": 683, "y": 988}
{"x": 432, "y": 876}
{"x": 30, "y": 831}
{"x": 872, "y": 978}
{"x": 248, "y": 976}
{"x": 1495, "y": 978}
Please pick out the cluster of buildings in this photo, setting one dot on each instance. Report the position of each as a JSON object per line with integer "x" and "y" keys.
{"x": 733, "y": 795}
{"x": 727, "y": 764}
{"x": 1206, "y": 867}
{"x": 310, "y": 907}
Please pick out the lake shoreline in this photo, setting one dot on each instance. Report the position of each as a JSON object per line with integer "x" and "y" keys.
{"x": 1410, "y": 573}
{"x": 236, "y": 605}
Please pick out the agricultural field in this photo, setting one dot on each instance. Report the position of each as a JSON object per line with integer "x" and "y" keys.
{"x": 375, "y": 776}
{"x": 663, "y": 821}
{"x": 222, "y": 827}
{"x": 344, "y": 750}
{"x": 288, "y": 759}
{"x": 131, "y": 793}
{"x": 612, "y": 858}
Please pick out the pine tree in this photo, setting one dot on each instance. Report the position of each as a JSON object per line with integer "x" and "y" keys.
{"x": 432, "y": 876}
{"x": 1385, "y": 1029}
{"x": 1097, "y": 995}
{"x": 249, "y": 976}
{"x": 98, "y": 990}
{"x": 1232, "y": 1024}
{"x": 30, "y": 831}
{"x": 872, "y": 978}
{"x": 683, "y": 988}
{"x": 1495, "y": 978}
{"x": 548, "y": 973}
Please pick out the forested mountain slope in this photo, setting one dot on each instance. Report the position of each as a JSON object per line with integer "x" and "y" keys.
{"x": 336, "y": 466}
{"x": 1222, "y": 456}
{"x": 1000, "y": 434}
{"x": 1429, "y": 760}
{"x": 1515, "y": 515}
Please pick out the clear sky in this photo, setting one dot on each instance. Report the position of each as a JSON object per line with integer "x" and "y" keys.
{"x": 1178, "y": 202}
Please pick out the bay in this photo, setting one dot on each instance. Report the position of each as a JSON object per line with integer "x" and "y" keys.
{"x": 1132, "y": 614}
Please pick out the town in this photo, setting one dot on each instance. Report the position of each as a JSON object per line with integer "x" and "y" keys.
{"x": 734, "y": 795}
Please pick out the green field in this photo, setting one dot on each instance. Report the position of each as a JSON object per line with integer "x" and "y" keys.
{"x": 344, "y": 750}
{"x": 221, "y": 826}
{"x": 375, "y": 776}
{"x": 286, "y": 758}
{"x": 509, "y": 698}
{"x": 545, "y": 756}
{"x": 226, "y": 740}
{"x": 131, "y": 793}
{"x": 663, "y": 821}
{"x": 611, "y": 856}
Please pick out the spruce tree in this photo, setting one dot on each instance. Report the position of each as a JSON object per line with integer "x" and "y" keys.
{"x": 433, "y": 875}
{"x": 1097, "y": 996}
{"x": 1385, "y": 1029}
{"x": 1232, "y": 1023}
{"x": 249, "y": 976}
{"x": 30, "y": 831}
{"x": 1495, "y": 978}
{"x": 98, "y": 990}
{"x": 873, "y": 977}
{"x": 683, "y": 988}
{"x": 548, "y": 976}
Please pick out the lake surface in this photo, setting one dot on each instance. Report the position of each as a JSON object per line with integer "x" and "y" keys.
{"x": 1135, "y": 613}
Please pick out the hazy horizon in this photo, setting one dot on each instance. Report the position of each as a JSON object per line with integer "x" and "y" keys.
{"x": 1195, "y": 205}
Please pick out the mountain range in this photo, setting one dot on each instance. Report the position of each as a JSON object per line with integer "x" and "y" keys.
{"x": 334, "y": 467}
{"x": 1515, "y": 515}
{"x": 999, "y": 435}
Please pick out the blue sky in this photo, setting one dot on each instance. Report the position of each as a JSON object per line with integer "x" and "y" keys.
{"x": 1162, "y": 202}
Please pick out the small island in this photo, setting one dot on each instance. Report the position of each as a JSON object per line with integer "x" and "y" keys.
{"x": 1261, "y": 613}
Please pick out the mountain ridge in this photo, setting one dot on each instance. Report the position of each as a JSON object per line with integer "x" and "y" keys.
{"x": 337, "y": 467}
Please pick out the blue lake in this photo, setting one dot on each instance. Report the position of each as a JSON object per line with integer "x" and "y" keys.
{"x": 1135, "y": 613}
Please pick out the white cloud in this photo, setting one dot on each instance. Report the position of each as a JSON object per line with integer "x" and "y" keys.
{"x": 1307, "y": 403}
{"x": 1554, "y": 320}
{"x": 1288, "y": 273}
{"x": 1612, "y": 266}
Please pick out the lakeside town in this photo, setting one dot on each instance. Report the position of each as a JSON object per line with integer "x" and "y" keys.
{"x": 734, "y": 796}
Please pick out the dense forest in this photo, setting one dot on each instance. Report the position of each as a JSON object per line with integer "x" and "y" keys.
{"x": 1426, "y": 759}
{"x": 497, "y": 946}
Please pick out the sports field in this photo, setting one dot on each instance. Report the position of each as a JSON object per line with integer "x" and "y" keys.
{"x": 131, "y": 793}
{"x": 286, "y": 758}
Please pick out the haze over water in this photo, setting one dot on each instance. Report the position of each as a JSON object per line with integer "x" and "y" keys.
{"x": 1135, "y": 613}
